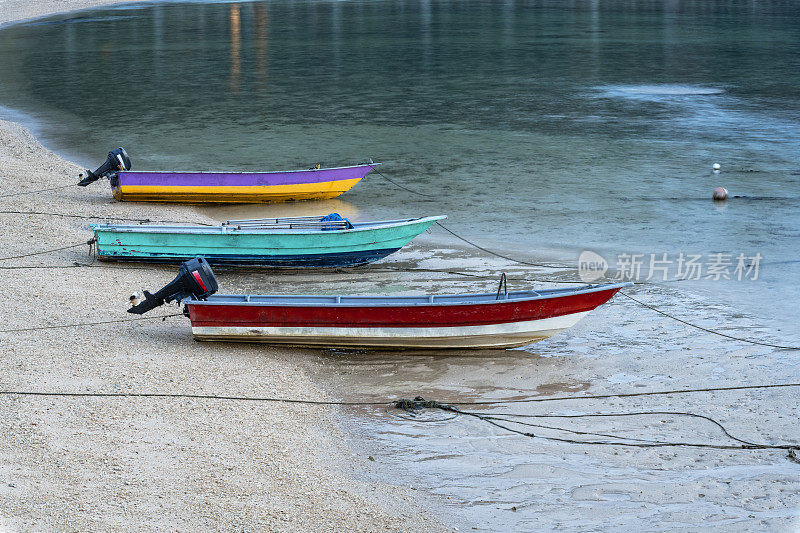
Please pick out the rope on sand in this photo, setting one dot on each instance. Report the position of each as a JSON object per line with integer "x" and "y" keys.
{"x": 104, "y": 217}
{"x": 90, "y": 242}
{"x": 23, "y": 193}
{"x": 500, "y": 420}
{"x": 83, "y": 324}
{"x": 417, "y": 404}
{"x": 375, "y": 403}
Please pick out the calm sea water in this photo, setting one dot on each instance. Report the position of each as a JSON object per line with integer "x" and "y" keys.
{"x": 542, "y": 128}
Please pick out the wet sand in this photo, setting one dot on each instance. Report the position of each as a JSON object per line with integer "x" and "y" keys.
{"x": 84, "y": 464}
{"x": 500, "y": 481}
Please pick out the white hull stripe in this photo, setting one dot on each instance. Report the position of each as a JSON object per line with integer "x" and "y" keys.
{"x": 506, "y": 334}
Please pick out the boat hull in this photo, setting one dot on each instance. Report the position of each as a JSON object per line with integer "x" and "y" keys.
{"x": 437, "y": 325}
{"x": 236, "y": 187}
{"x": 231, "y": 247}
{"x": 505, "y": 335}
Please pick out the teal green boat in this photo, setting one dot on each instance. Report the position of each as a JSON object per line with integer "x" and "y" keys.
{"x": 291, "y": 242}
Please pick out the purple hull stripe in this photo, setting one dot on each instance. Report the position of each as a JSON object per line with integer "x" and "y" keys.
{"x": 241, "y": 179}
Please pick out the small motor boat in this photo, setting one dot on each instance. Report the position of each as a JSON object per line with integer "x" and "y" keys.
{"x": 223, "y": 187}
{"x": 485, "y": 320}
{"x": 290, "y": 242}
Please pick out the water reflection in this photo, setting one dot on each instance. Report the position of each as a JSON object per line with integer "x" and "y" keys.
{"x": 323, "y": 207}
{"x": 262, "y": 48}
{"x": 236, "y": 47}
{"x": 448, "y": 375}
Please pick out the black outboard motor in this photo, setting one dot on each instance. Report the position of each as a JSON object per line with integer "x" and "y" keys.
{"x": 195, "y": 278}
{"x": 117, "y": 160}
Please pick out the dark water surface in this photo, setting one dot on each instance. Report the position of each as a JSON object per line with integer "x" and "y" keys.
{"x": 541, "y": 128}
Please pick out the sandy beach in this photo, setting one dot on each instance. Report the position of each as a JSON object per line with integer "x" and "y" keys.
{"x": 17, "y": 10}
{"x": 132, "y": 465}
{"x": 172, "y": 464}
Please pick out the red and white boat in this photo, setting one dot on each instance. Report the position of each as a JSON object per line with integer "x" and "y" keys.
{"x": 487, "y": 320}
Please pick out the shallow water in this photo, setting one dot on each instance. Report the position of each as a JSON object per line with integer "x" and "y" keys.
{"x": 541, "y": 128}
{"x": 492, "y": 480}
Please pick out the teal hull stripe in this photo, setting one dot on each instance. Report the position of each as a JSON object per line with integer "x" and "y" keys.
{"x": 253, "y": 248}
{"x": 273, "y": 261}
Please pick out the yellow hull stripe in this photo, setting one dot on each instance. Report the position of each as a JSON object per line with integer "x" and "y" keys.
{"x": 234, "y": 194}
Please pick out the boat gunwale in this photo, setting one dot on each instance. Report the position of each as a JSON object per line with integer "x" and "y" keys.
{"x": 257, "y": 172}
{"x": 232, "y": 230}
{"x": 486, "y": 298}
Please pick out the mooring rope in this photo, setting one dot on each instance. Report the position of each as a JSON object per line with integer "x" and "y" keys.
{"x": 105, "y": 217}
{"x": 457, "y": 236}
{"x": 364, "y": 403}
{"x": 415, "y": 406}
{"x": 399, "y": 185}
{"x": 90, "y": 242}
{"x": 187, "y": 396}
{"x": 93, "y": 264}
{"x": 597, "y": 434}
{"x": 35, "y": 267}
{"x": 632, "y": 394}
{"x": 419, "y": 403}
{"x": 653, "y": 444}
{"x": 628, "y": 413}
{"x": 759, "y": 343}
{"x": 390, "y": 268}
{"x": 706, "y": 329}
{"x": 23, "y": 193}
{"x": 83, "y": 324}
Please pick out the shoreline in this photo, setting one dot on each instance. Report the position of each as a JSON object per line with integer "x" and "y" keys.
{"x": 88, "y": 463}
{"x": 190, "y": 464}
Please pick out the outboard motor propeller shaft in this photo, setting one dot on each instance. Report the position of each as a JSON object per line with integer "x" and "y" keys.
{"x": 195, "y": 278}
{"x": 117, "y": 160}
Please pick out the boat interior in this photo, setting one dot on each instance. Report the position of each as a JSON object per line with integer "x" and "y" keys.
{"x": 367, "y": 301}
{"x": 311, "y": 224}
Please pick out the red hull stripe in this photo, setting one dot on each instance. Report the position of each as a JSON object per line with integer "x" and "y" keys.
{"x": 199, "y": 280}
{"x": 233, "y": 315}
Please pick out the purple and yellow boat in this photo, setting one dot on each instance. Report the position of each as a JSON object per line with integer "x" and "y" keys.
{"x": 224, "y": 187}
